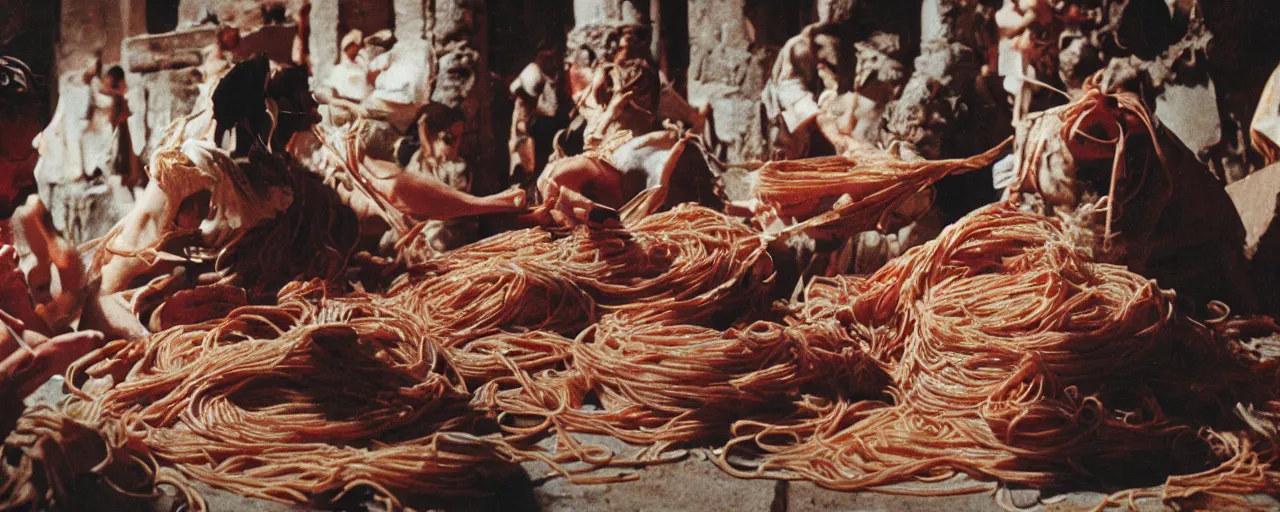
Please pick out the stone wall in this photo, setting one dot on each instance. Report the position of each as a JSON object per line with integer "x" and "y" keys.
{"x": 90, "y": 28}
{"x": 235, "y": 13}
{"x": 331, "y": 20}
{"x": 461, "y": 81}
{"x": 596, "y": 22}
{"x": 731, "y": 48}
{"x": 589, "y": 12}
{"x": 728, "y": 67}
{"x": 163, "y": 81}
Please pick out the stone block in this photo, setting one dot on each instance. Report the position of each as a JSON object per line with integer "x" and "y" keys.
{"x": 88, "y": 28}
{"x": 171, "y": 50}
{"x": 157, "y": 99}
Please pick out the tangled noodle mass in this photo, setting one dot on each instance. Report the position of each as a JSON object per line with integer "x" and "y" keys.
{"x": 997, "y": 350}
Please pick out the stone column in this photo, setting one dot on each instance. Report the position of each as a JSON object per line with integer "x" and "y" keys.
{"x": 411, "y": 19}
{"x": 596, "y": 20}
{"x": 163, "y": 77}
{"x": 450, "y": 38}
{"x": 727, "y": 69}
{"x": 133, "y": 17}
{"x": 461, "y": 81}
{"x": 655, "y": 21}
{"x": 323, "y": 43}
{"x": 931, "y": 104}
{"x": 89, "y": 28}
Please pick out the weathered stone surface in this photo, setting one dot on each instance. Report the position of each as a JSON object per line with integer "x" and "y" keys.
{"x": 172, "y": 50}
{"x": 686, "y": 485}
{"x": 461, "y": 81}
{"x": 597, "y": 22}
{"x": 690, "y": 482}
{"x": 160, "y": 98}
{"x": 235, "y": 13}
{"x": 727, "y": 70}
{"x": 807, "y": 497}
{"x": 587, "y": 12}
{"x": 928, "y": 110}
{"x": 84, "y": 159}
{"x": 411, "y": 21}
{"x": 89, "y": 28}
{"x": 323, "y": 43}
{"x": 456, "y": 20}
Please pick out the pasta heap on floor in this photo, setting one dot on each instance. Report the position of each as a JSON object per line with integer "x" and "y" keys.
{"x": 997, "y": 350}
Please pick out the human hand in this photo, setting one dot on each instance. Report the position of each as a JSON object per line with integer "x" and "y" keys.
{"x": 24, "y": 370}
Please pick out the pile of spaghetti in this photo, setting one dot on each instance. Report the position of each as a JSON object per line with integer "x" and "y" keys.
{"x": 997, "y": 351}
{"x": 325, "y": 392}
{"x": 1013, "y": 357}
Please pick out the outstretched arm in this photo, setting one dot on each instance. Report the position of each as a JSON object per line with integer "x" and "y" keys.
{"x": 425, "y": 197}
{"x": 592, "y": 178}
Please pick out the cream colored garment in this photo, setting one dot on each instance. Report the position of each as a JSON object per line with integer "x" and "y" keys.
{"x": 1265, "y": 131}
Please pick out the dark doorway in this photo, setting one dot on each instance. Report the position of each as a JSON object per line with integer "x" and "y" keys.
{"x": 674, "y": 41}
{"x": 162, "y": 16}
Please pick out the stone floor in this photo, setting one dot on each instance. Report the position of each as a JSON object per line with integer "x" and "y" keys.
{"x": 691, "y": 483}
{"x": 697, "y": 485}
